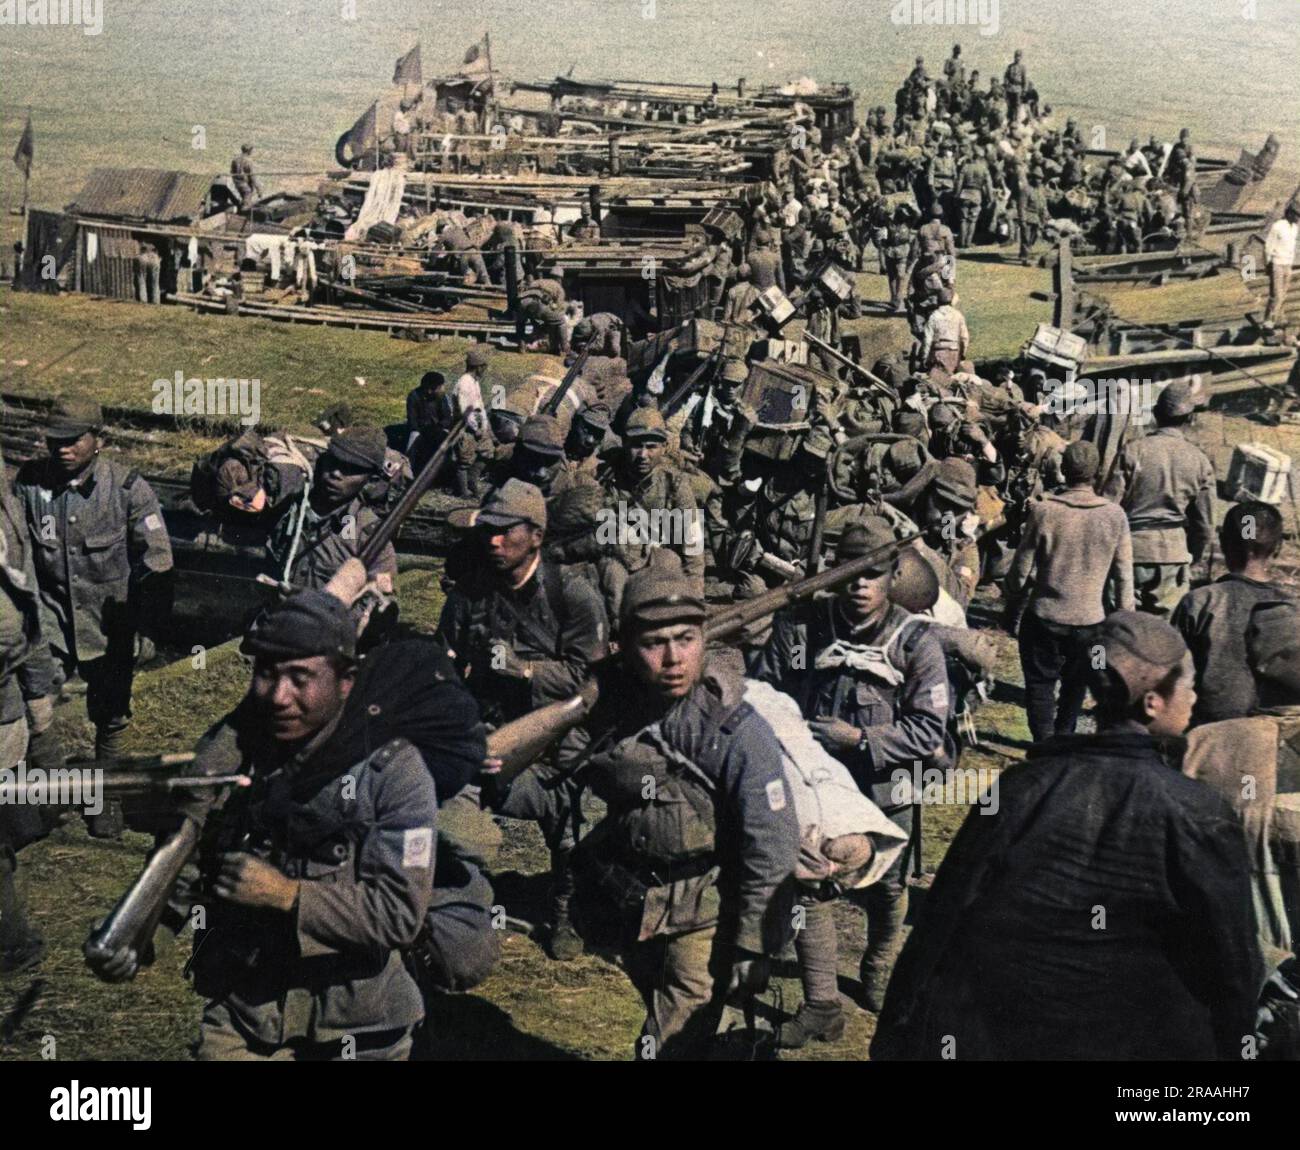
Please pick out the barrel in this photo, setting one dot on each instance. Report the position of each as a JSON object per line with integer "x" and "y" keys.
{"x": 1286, "y": 854}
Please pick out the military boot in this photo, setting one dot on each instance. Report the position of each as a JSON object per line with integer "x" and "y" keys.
{"x": 885, "y": 917}
{"x": 21, "y": 945}
{"x": 563, "y": 942}
{"x": 461, "y": 483}
{"x": 109, "y": 823}
{"x": 823, "y": 1021}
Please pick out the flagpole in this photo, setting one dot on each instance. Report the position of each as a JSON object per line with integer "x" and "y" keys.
{"x": 492, "y": 84}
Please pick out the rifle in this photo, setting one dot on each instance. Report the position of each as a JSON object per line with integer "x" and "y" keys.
{"x": 517, "y": 743}
{"x": 875, "y": 381}
{"x": 688, "y": 384}
{"x": 552, "y": 405}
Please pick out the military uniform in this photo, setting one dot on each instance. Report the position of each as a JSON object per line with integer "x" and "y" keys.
{"x": 664, "y": 490}
{"x": 945, "y": 339}
{"x": 974, "y": 190}
{"x": 934, "y": 241}
{"x": 101, "y": 553}
{"x": 1166, "y": 486}
{"x": 693, "y": 874}
{"x": 326, "y": 541}
{"x": 889, "y": 681}
{"x": 897, "y": 251}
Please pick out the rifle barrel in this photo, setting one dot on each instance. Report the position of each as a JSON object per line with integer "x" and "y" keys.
{"x": 552, "y": 405}
{"x": 392, "y": 522}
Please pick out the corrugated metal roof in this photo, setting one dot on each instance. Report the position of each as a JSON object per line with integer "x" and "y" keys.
{"x": 142, "y": 194}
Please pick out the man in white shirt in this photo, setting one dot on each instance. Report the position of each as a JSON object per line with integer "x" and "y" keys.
{"x": 1279, "y": 253}
{"x": 475, "y": 446}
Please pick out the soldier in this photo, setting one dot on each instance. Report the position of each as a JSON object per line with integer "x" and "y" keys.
{"x": 1032, "y": 214}
{"x": 638, "y": 481}
{"x": 318, "y": 885}
{"x": 541, "y": 301}
{"x": 1073, "y": 542}
{"x": 1165, "y": 484}
{"x": 699, "y": 902}
{"x": 103, "y": 560}
{"x": 589, "y": 438}
{"x": 742, "y": 298}
{"x": 945, "y": 340}
{"x": 506, "y": 243}
{"x": 523, "y": 635}
{"x": 1180, "y": 172}
{"x": 475, "y": 446}
{"x": 429, "y": 413}
{"x": 602, "y": 334}
{"x": 587, "y": 229}
{"x": 897, "y": 252}
{"x": 1005, "y": 963}
{"x": 974, "y": 190}
{"x": 454, "y": 240}
{"x": 1213, "y": 619}
{"x": 26, "y": 714}
{"x": 871, "y": 682}
{"x": 1131, "y": 214}
{"x": 241, "y": 174}
{"x": 934, "y": 242}
{"x": 945, "y": 512}
{"x": 1016, "y": 82}
{"x": 766, "y": 269}
{"x": 350, "y": 480}
{"x": 954, "y": 68}
{"x": 536, "y": 456}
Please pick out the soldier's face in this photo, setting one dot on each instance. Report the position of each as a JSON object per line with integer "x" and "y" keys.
{"x": 668, "y": 659}
{"x": 643, "y": 456}
{"x": 340, "y": 482}
{"x": 297, "y": 697}
{"x": 71, "y": 455}
{"x": 867, "y": 597}
{"x": 510, "y": 549}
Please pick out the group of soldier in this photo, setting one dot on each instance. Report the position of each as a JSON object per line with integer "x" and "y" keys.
{"x": 602, "y": 518}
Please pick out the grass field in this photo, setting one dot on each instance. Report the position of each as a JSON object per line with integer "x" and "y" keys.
{"x": 530, "y": 1007}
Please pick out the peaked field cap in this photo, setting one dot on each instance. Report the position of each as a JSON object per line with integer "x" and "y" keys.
{"x": 307, "y": 623}
{"x": 73, "y": 418}
{"x": 646, "y": 423}
{"x": 513, "y": 502}
{"x": 654, "y": 597}
{"x": 1140, "y": 648}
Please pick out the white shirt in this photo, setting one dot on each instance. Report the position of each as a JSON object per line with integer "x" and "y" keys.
{"x": 1279, "y": 245}
{"x": 790, "y": 213}
{"x": 467, "y": 396}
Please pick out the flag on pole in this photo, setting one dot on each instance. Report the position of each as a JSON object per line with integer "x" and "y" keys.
{"x": 360, "y": 138}
{"x": 476, "y": 59}
{"x": 25, "y": 150}
{"x": 409, "y": 70}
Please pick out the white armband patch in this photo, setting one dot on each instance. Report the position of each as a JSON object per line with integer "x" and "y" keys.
{"x": 417, "y": 848}
{"x": 153, "y": 523}
{"x": 776, "y": 795}
{"x": 939, "y": 696}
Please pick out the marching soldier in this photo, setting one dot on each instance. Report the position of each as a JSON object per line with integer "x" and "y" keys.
{"x": 1031, "y": 211}
{"x": 945, "y": 340}
{"x": 103, "y": 560}
{"x": 974, "y": 191}
{"x": 871, "y": 682}
{"x": 699, "y": 901}
{"x": 1165, "y": 483}
{"x": 322, "y": 870}
{"x": 524, "y": 635}
{"x": 897, "y": 252}
{"x": 339, "y": 517}
{"x": 934, "y": 243}
{"x": 241, "y": 174}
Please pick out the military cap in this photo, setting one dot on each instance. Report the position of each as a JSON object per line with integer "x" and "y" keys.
{"x": 583, "y": 330}
{"x": 541, "y": 434}
{"x": 905, "y": 457}
{"x": 954, "y": 483}
{"x": 360, "y": 447}
{"x": 1273, "y": 643}
{"x": 513, "y": 502}
{"x": 909, "y": 422}
{"x": 946, "y": 295}
{"x": 477, "y": 357}
{"x": 235, "y": 478}
{"x": 596, "y": 415}
{"x": 865, "y": 537}
{"x": 656, "y": 596}
{"x": 1080, "y": 461}
{"x": 942, "y": 415}
{"x": 307, "y": 623}
{"x": 735, "y": 370}
{"x": 509, "y": 414}
{"x": 73, "y": 418}
{"x": 645, "y": 423}
{"x": 1140, "y": 648}
{"x": 1181, "y": 397}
